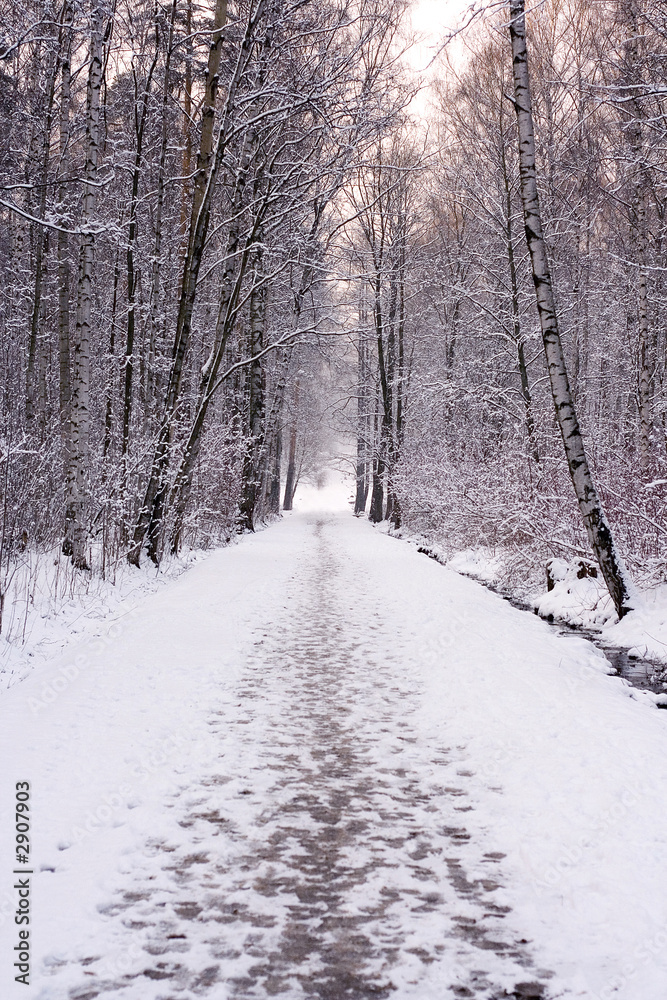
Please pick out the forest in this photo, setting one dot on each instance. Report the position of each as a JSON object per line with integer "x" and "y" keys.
{"x": 333, "y": 482}
{"x": 241, "y": 241}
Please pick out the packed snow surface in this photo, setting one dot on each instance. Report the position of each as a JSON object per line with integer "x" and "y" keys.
{"x": 320, "y": 765}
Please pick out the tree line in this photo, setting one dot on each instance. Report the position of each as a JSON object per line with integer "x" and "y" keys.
{"x": 221, "y": 224}
{"x": 170, "y": 177}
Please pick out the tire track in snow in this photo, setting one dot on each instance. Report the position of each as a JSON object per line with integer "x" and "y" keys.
{"x": 325, "y": 855}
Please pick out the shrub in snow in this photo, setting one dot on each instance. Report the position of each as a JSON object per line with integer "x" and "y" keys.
{"x": 575, "y": 594}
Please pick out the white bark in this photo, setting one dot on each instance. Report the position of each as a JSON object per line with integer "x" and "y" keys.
{"x": 75, "y": 486}
{"x": 63, "y": 245}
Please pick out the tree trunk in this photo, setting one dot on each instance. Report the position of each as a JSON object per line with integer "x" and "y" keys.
{"x": 270, "y": 459}
{"x": 251, "y": 474}
{"x": 599, "y": 532}
{"x": 391, "y": 455}
{"x": 108, "y": 409}
{"x": 376, "y": 511}
{"x": 42, "y": 354}
{"x": 273, "y": 495}
{"x": 187, "y": 121}
{"x": 34, "y": 362}
{"x": 632, "y": 105}
{"x": 290, "y": 478}
{"x": 140, "y": 115}
{"x": 398, "y": 376}
{"x": 516, "y": 315}
{"x": 151, "y": 382}
{"x": 75, "y": 486}
{"x": 644, "y": 386}
{"x": 632, "y": 92}
{"x": 361, "y": 495}
{"x": 63, "y": 246}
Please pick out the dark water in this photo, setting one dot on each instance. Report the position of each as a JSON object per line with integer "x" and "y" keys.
{"x": 641, "y": 673}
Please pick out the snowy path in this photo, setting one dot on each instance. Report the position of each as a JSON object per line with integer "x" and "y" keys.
{"x": 342, "y": 874}
{"x": 320, "y": 766}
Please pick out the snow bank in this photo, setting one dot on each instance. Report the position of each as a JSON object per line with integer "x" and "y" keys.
{"x": 49, "y": 605}
{"x": 480, "y": 563}
{"x": 576, "y": 597}
{"x": 643, "y": 631}
{"x": 584, "y": 601}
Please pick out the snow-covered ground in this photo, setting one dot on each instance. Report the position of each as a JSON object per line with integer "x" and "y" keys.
{"x": 320, "y": 765}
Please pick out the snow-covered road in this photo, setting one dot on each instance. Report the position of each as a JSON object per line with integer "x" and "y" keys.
{"x": 320, "y": 765}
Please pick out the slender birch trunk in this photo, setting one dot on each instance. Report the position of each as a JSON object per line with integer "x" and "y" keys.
{"x": 74, "y": 543}
{"x": 290, "y": 479}
{"x": 516, "y": 315}
{"x": 63, "y": 243}
{"x": 598, "y": 530}
{"x": 251, "y": 479}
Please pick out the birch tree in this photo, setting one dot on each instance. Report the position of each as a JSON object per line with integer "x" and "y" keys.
{"x": 75, "y": 539}
{"x": 598, "y": 530}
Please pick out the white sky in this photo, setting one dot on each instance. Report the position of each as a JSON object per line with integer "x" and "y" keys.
{"x": 433, "y": 21}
